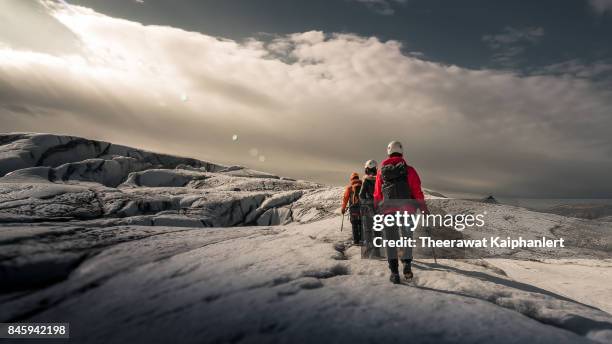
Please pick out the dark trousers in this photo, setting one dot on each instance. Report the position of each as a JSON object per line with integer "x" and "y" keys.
{"x": 368, "y": 234}
{"x": 356, "y": 223}
{"x": 394, "y": 264}
{"x": 394, "y": 233}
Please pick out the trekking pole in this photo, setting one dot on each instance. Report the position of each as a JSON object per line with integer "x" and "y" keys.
{"x": 342, "y": 225}
{"x": 433, "y": 251}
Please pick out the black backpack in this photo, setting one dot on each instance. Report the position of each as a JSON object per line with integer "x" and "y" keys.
{"x": 395, "y": 181}
{"x": 366, "y": 194}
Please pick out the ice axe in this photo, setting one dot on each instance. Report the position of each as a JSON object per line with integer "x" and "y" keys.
{"x": 342, "y": 225}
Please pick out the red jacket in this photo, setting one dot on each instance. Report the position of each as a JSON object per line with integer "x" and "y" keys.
{"x": 414, "y": 183}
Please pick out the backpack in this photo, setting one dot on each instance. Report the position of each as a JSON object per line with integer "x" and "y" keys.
{"x": 395, "y": 181}
{"x": 354, "y": 206}
{"x": 366, "y": 195}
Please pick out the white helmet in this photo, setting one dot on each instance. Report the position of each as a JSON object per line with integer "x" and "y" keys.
{"x": 370, "y": 164}
{"x": 395, "y": 147}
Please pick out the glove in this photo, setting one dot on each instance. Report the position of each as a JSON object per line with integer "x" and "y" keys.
{"x": 343, "y": 211}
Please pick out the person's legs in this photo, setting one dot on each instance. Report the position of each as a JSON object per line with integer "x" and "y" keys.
{"x": 366, "y": 232}
{"x": 407, "y": 268}
{"x": 407, "y": 252}
{"x": 378, "y": 252}
{"x": 392, "y": 233}
{"x": 393, "y": 265}
{"x": 356, "y": 224}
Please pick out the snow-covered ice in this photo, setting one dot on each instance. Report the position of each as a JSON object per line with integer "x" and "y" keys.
{"x": 133, "y": 246}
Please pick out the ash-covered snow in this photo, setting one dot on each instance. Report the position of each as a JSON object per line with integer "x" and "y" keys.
{"x": 133, "y": 246}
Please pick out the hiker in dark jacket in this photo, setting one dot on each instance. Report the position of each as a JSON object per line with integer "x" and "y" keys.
{"x": 398, "y": 188}
{"x": 366, "y": 198}
{"x": 351, "y": 200}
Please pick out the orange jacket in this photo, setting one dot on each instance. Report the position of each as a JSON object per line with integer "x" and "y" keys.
{"x": 349, "y": 190}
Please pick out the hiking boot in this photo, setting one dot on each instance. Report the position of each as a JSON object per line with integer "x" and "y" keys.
{"x": 394, "y": 278}
{"x": 408, "y": 272}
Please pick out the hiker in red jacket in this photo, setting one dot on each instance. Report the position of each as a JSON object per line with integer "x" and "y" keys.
{"x": 398, "y": 188}
{"x": 351, "y": 199}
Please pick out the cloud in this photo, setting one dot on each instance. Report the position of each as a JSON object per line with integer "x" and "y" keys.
{"x": 18, "y": 17}
{"x": 316, "y": 105}
{"x": 384, "y": 7}
{"x": 600, "y": 71}
{"x": 511, "y": 43}
{"x": 601, "y": 6}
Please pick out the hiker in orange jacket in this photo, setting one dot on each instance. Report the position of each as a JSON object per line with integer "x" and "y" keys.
{"x": 351, "y": 199}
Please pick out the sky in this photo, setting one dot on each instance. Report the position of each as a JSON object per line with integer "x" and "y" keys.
{"x": 510, "y": 98}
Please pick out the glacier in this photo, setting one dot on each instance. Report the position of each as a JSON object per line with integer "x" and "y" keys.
{"x": 134, "y": 246}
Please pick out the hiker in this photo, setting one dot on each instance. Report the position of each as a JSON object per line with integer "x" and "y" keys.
{"x": 351, "y": 199}
{"x": 398, "y": 188}
{"x": 366, "y": 199}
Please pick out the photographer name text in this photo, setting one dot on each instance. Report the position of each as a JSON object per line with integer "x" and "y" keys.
{"x": 493, "y": 242}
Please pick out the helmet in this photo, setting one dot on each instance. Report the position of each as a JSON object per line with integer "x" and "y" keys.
{"x": 354, "y": 175}
{"x": 395, "y": 147}
{"x": 370, "y": 167}
{"x": 370, "y": 164}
